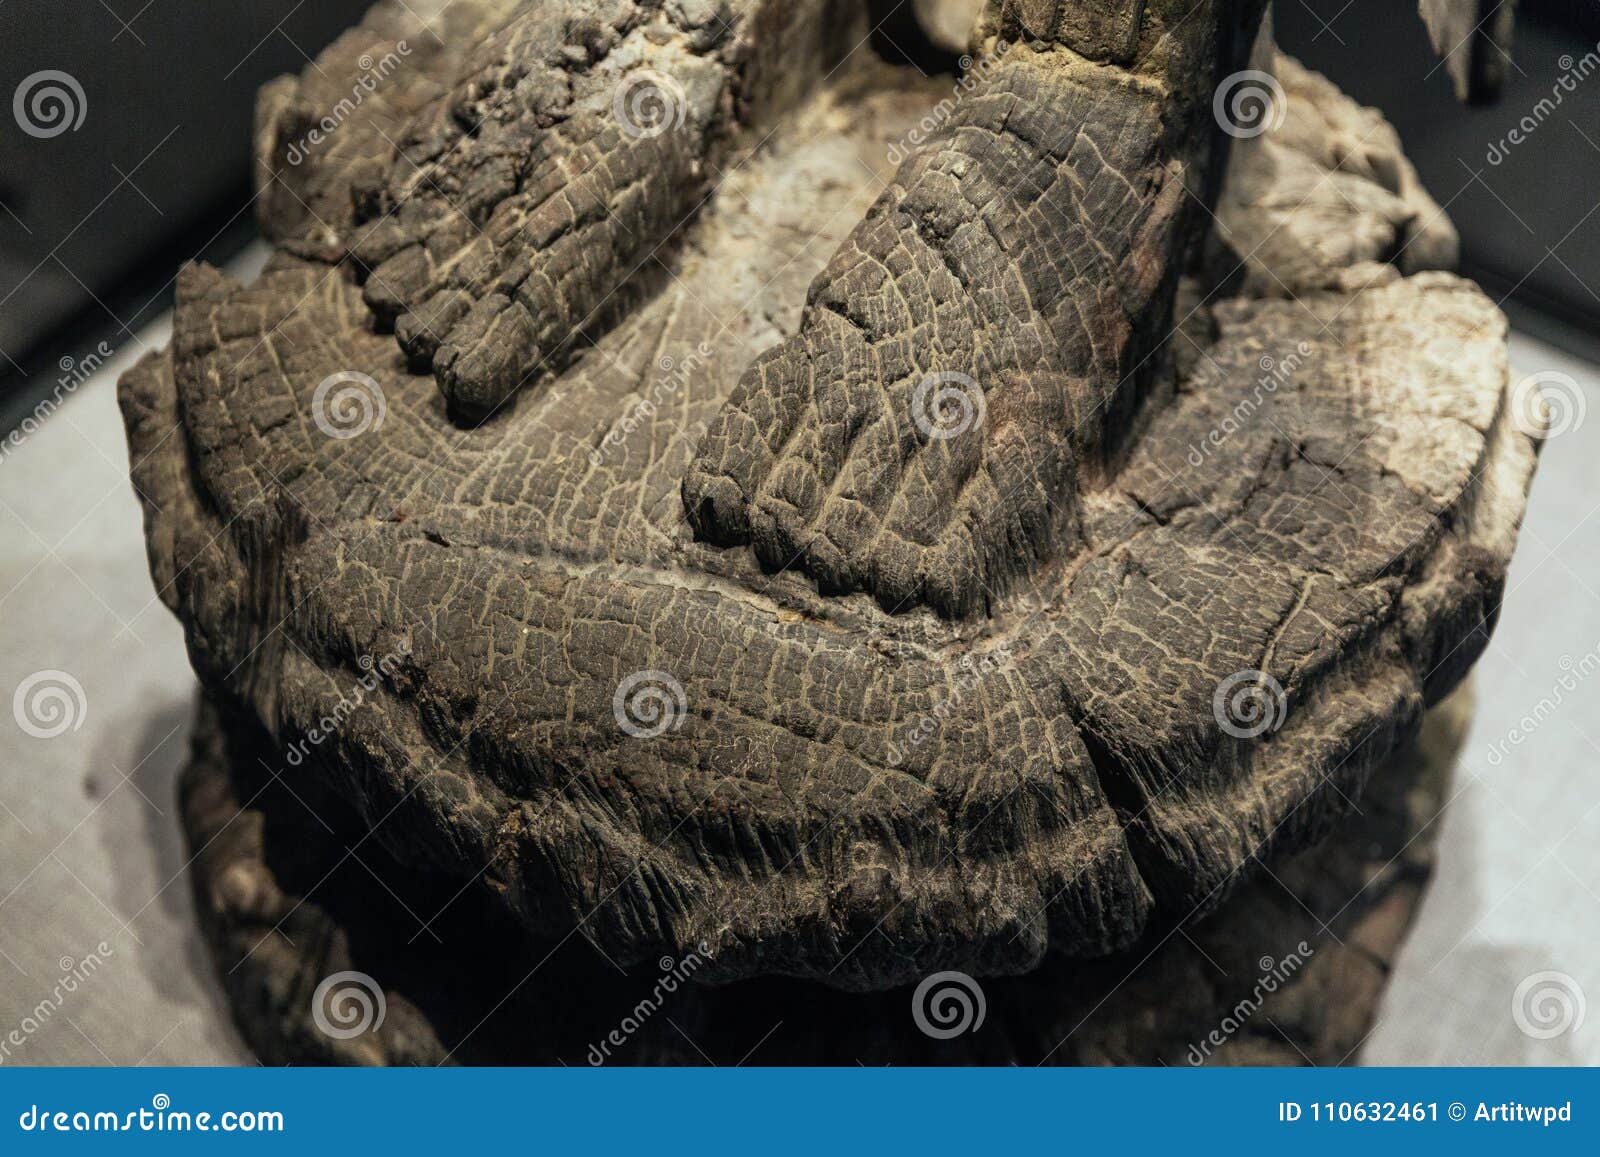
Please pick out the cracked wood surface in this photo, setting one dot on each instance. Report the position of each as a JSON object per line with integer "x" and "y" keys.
{"x": 1027, "y": 253}
{"x": 848, "y": 794}
{"x": 1289, "y": 971}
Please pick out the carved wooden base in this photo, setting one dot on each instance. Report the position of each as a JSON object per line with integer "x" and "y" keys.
{"x": 1290, "y": 971}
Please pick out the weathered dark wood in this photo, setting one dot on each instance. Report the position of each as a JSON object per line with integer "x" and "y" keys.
{"x": 1289, "y": 971}
{"x": 1313, "y": 485}
{"x": 1029, "y": 251}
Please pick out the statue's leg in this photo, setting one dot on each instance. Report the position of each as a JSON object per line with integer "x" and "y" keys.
{"x": 974, "y": 354}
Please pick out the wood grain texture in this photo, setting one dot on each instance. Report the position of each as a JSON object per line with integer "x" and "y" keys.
{"x": 1304, "y": 500}
{"x": 1289, "y": 971}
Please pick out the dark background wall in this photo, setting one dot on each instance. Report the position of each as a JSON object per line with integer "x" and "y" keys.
{"x": 93, "y": 222}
